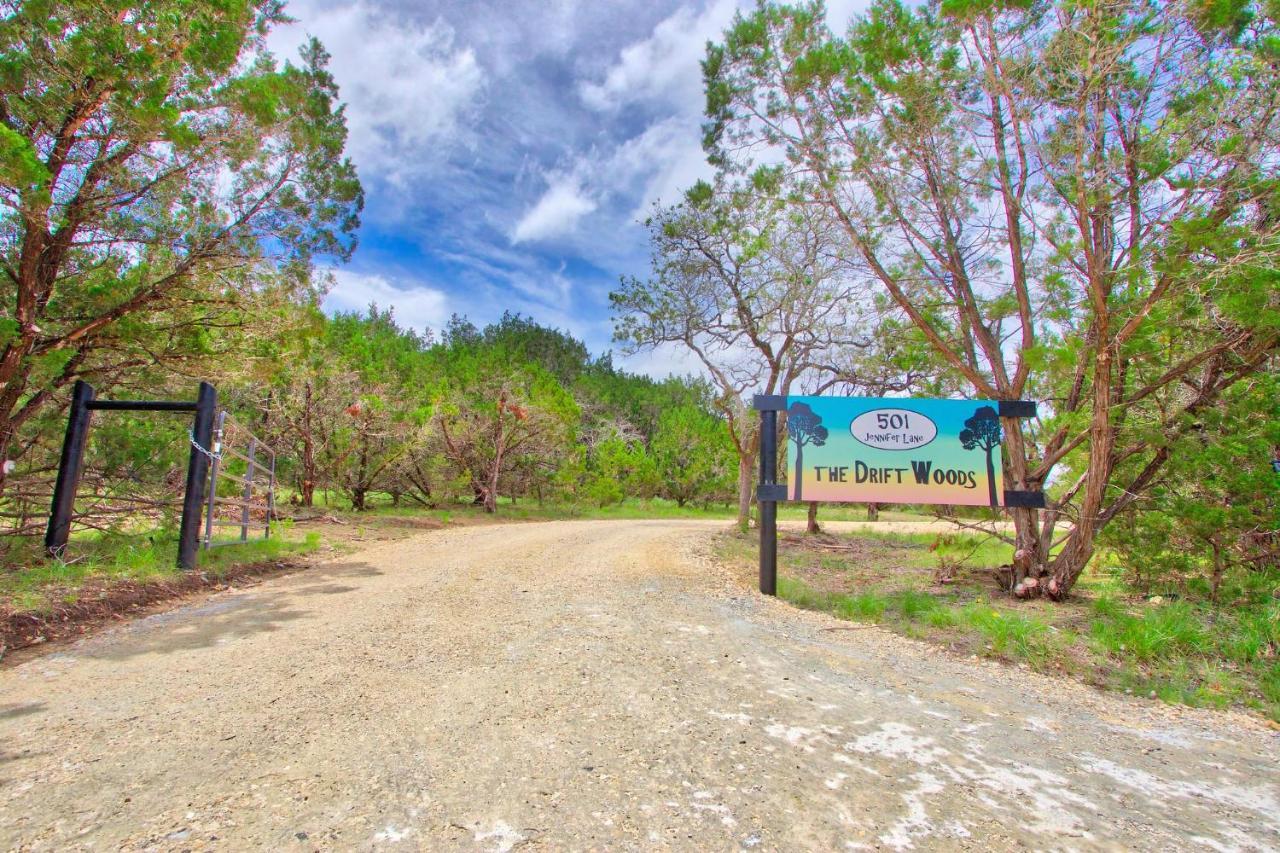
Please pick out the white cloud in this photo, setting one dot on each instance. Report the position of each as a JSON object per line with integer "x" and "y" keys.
{"x": 841, "y": 12}
{"x": 659, "y": 77}
{"x": 663, "y": 361}
{"x": 409, "y": 90}
{"x": 667, "y": 157}
{"x": 417, "y": 306}
{"x": 663, "y": 67}
{"x": 496, "y": 140}
{"x": 555, "y": 214}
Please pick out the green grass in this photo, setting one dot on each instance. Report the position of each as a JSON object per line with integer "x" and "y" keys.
{"x": 928, "y": 548}
{"x": 1178, "y": 651}
{"x": 32, "y": 582}
{"x": 531, "y": 510}
{"x": 1193, "y": 653}
{"x": 1159, "y": 633}
{"x": 1009, "y": 633}
{"x": 1004, "y": 634}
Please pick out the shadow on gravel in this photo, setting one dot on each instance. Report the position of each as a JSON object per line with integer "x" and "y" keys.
{"x": 12, "y": 710}
{"x": 323, "y": 589}
{"x": 221, "y": 621}
{"x": 339, "y": 571}
{"x": 6, "y": 757}
{"x": 327, "y": 580}
{"x": 224, "y": 620}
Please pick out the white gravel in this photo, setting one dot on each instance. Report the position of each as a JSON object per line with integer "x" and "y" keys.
{"x": 587, "y": 685}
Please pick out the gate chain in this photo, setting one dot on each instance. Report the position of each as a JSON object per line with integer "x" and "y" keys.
{"x": 191, "y": 434}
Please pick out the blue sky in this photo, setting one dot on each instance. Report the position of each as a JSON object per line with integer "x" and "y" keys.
{"x": 510, "y": 150}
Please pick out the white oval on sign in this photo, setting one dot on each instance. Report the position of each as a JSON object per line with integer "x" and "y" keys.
{"x": 893, "y": 429}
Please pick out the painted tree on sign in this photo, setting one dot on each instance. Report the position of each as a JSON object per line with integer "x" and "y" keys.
{"x": 982, "y": 432}
{"x": 804, "y": 426}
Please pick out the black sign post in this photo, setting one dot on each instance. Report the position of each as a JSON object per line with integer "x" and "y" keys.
{"x": 197, "y": 473}
{"x": 769, "y": 492}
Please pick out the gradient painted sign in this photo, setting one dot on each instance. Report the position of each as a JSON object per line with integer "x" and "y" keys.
{"x": 894, "y": 450}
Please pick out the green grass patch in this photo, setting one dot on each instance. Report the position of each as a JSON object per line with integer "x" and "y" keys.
{"x": 630, "y": 508}
{"x": 1171, "y": 630}
{"x": 32, "y": 582}
{"x": 1008, "y": 633}
{"x": 1179, "y": 651}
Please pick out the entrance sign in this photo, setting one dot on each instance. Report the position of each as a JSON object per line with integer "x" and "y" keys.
{"x": 883, "y": 450}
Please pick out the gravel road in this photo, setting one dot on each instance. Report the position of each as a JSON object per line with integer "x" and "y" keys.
{"x": 588, "y": 685}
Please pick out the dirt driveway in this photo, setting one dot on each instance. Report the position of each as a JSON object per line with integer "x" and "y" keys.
{"x": 577, "y": 685}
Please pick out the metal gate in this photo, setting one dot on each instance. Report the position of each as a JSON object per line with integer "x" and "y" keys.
{"x": 242, "y": 483}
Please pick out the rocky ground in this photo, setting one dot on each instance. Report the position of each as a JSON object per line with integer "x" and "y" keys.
{"x": 593, "y": 684}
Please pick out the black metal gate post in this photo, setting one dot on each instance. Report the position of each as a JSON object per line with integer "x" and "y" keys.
{"x": 69, "y": 468}
{"x": 769, "y": 492}
{"x": 248, "y": 489}
{"x": 213, "y": 478}
{"x": 197, "y": 470}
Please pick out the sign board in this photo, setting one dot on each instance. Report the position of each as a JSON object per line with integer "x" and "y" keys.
{"x": 894, "y": 450}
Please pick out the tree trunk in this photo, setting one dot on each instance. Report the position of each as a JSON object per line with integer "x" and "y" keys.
{"x": 499, "y": 446}
{"x": 362, "y": 472}
{"x": 992, "y": 496}
{"x": 308, "y": 452}
{"x": 811, "y": 523}
{"x": 746, "y": 479}
{"x": 357, "y": 499}
{"x": 873, "y": 511}
{"x": 6, "y": 438}
{"x": 1030, "y": 550}
{"x": 1078, "y": 549}
{"x": 491, "y": 488}
{"x": 799, "y": 472}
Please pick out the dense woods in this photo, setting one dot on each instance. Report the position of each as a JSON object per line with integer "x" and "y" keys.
{"x": 1074, "y": 203}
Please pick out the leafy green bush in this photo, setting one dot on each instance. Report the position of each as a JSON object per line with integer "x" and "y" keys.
{"x": 1210, "y": 528}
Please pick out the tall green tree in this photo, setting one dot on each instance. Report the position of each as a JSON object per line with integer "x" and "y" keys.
{"x": 158, "y": 170}
{"x": 1074, "y": 202}
{"x": 693, "y": 456}
{"x": 376, "y": 399}
{"x": 1210, "y": 523}
{"x": 493, "y": 412}
{"x": 758, "y": 292}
